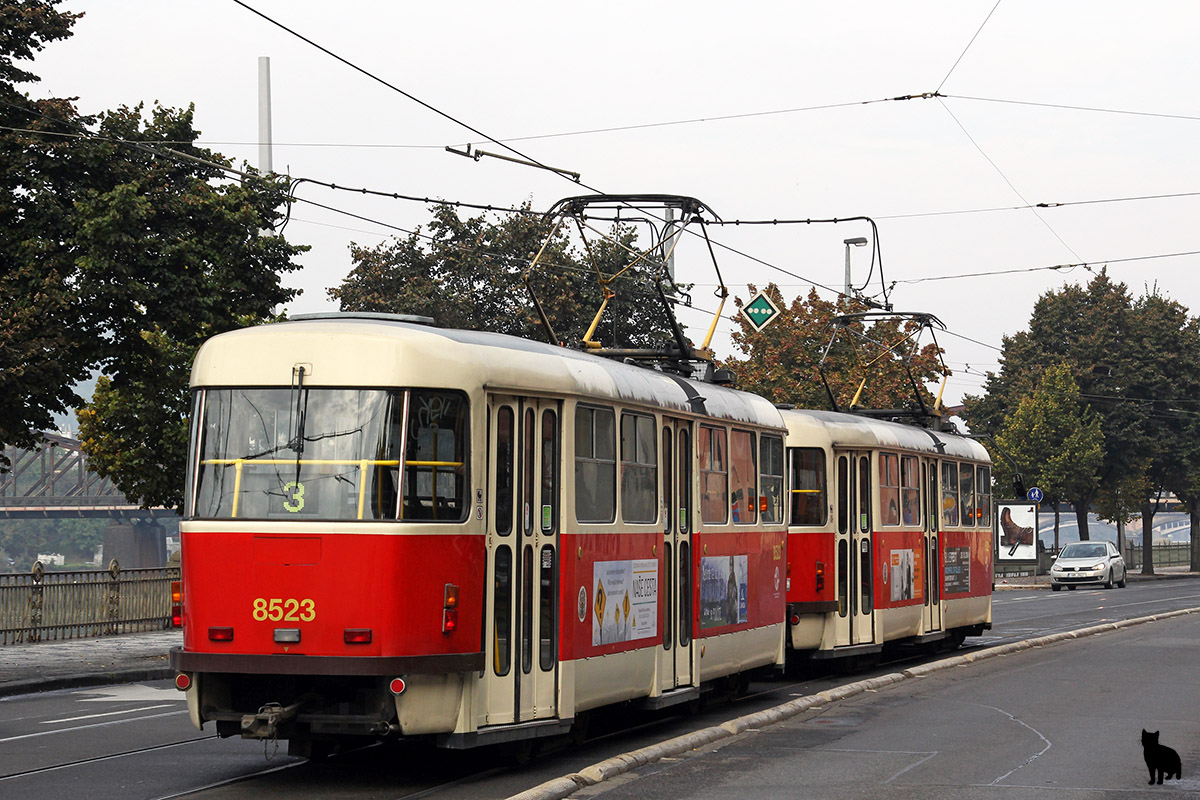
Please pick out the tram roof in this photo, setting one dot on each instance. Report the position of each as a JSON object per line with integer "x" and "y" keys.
{"x": 852, "y": 430}
{"x": 386, "y": 350}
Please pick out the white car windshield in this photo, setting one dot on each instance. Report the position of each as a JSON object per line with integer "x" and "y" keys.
{"x": 1084, "y": 551}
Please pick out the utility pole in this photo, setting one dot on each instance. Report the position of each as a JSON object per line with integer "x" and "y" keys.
{"x": 264, "y": 115}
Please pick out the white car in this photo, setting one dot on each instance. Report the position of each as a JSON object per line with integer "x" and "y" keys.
{"x": 1095, "y": 563}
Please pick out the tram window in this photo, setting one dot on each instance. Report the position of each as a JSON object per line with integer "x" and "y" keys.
{"x": 639, "y": 469}
{"x": 949, "y": 495}
{"x": 504, "y": 470}
{"x": 771, "y": 477}
{"x": 931, "y": 496}
{"x": 966, "y": 482}
{"x": 668, "y": 476}
{"x": 864, "y": 494}
{"x": 843, "y": 509}
{"x": 685, "y": 480}
{"x": 983, "y": 497}
{"x": 527, "y": 467}
{"x": 547, "y": 586}
{"x": 668, "y": 618}
{"x": 889, "y": 489}
{"x": 714, "y": 475}
{"x": 743, "y": 477}
{"x": 435, "y": 480}
{"x": 808, "y": 487}
{"x": 595, "y": 465}
{"x": 685, "y": 595}
{"x": 502, "y": 611}
{"x": 910, "y": 491}
{"x": 843, "y": 577}
{"x": 527, "y": 609}
{"x": 867, "y": 576}
{"x": 549, "y": 488}
{"x": 331, "y": 454}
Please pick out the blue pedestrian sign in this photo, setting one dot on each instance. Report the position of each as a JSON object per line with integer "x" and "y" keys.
{"x": 1035, "y": 495}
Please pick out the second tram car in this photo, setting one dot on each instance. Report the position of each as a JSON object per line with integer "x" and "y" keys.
{"x": 889, "y": 534}
{"x": 396, "y": 529}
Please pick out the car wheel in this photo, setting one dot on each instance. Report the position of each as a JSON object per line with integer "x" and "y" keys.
{"x": 1124, "y": 577}
{"x": 1108, "y": 582}
{"x": 1054, "y": 587}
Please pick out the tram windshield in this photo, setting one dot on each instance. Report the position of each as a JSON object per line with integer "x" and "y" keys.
{"x": 329, "y": 454}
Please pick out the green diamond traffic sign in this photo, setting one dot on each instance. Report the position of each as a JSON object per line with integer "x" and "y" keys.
{"x": 760, "y": 311}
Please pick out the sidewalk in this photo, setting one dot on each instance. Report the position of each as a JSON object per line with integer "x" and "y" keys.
{"x": 43, "y": 666}
{"x": 1043, "y": 581}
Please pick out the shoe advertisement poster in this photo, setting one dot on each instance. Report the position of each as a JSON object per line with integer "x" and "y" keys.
{"x": 1017, "y": 530}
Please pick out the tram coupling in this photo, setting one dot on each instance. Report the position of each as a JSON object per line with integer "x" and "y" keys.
{"x": 266, "y": 723}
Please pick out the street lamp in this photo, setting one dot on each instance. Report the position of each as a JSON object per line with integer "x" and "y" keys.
{"x": 857, "y": 241}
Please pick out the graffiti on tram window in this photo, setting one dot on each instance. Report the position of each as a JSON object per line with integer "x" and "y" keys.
{"x": 902, "y": 574}
{"x": 957, "y": 570}
{"x": 626, "y": 600}
{"x": 723, "y": 590}
{"x": 1018, "y": 526}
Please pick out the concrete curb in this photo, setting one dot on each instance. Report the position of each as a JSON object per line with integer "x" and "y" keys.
{"x": 50, "y": 684}
{"x": 563, "y": 787}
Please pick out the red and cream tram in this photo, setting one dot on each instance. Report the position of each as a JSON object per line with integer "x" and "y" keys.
{"x": 397, "y": 529}
{"x": 393, "y": 528}
{"x": 889, "y": 534}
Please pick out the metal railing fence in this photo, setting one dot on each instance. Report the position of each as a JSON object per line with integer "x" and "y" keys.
{"x": 1164, "y": 555}
{"x": 43, "y": 606}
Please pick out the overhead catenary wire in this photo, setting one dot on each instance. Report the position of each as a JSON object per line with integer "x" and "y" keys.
{"x": 958, "y": 60}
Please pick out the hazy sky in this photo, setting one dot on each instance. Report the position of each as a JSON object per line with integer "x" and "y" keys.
{"x": 778, "y": 120}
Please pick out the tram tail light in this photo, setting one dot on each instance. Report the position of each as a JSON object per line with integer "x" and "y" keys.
{"x": 183, "y": 681}
{"x": 357, "y": 636}
{"x": 220, "y": 634}
{"x": 176, "y": 604}
{"x": 450, "y": 609}
{"x": 820, "y": 576}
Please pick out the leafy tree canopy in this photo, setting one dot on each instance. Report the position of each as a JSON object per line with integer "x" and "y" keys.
{"x": 781, "y": 361}
{"x": 121, "y": 236}
{"x": 467, "y": 273}
{"x": 1055, "y": 438}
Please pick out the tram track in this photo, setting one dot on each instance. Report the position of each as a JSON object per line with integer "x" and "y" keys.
{"x": 107, "y": 757}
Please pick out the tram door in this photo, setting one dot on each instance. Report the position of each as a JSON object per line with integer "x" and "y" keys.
{"x": 675, "y": 594}
{"x": 853, "y": 556}
{"x": 524, "y": 465}
{"x": 933, "y": 565}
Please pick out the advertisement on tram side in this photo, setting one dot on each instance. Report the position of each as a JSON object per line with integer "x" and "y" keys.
{"x": 625, "y": 601}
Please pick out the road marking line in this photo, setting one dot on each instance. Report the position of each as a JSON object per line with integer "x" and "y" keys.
{"x": 106, "y": 714}
{"x": 93, "y": 725}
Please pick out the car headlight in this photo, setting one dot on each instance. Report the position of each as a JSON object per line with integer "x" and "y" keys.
{"x": 1099, "y": 567}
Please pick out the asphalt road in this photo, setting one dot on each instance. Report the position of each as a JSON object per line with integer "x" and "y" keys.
{"x": 133, "y": 742}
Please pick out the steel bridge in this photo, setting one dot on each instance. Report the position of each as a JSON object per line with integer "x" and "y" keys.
{"x": 54, "y": 482}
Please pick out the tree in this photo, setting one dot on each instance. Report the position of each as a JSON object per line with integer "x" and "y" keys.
{"x": 129, "y": 244}
{"x": 467, "y": 273}
{"x": 1087, "y": 328}
{"x": 136, "y": 433}
{"x": 36, "y": 303}
{"x": 1055, "y": 438}
{"x": 781, "y": 361}
{"x": 1162, "y": 392}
